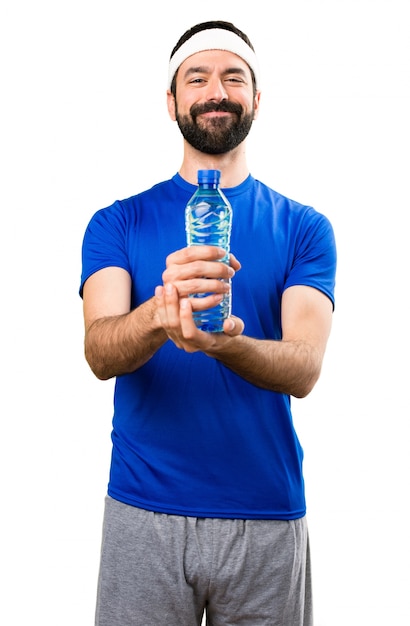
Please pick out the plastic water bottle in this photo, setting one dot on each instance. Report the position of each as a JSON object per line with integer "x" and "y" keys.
{"x": 208, "y": 221}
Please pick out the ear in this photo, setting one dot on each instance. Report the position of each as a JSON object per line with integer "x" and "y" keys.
{"x": 171, "y": 106}
{"x": 257, "y": 104}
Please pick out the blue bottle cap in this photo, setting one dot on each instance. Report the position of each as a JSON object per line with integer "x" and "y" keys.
{"x": 211, "y": 177}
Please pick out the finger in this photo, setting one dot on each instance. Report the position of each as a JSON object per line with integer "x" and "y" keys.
{"x": 194, "y": 338}
{"x": 161, "y": 307}
{"x": 203, "y": 287}
{"x": 233, "y": 261}
{"x": 167, "y": 299}
{"x": 233, "y": 326}
{"x": 194, "y": 253}
{"x": 171, "y": 303}
{"x": 206, "y": 302}
{"x": 197, "y": 269}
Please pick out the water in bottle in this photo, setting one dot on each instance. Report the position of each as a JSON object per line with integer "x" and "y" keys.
{"x": 208, "y": 221}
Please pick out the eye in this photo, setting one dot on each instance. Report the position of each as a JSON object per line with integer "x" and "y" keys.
{"x": 196, "y": 80}
{"x": 235, "y": 79}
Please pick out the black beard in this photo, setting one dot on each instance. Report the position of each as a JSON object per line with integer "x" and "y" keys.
{"x": 217, "y": 135}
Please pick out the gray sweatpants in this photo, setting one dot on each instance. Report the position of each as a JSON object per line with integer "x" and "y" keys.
{"x": 166, "y": 570}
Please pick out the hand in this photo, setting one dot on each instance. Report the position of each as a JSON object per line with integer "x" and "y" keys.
{"x": 196, "y": 269}
{"x": 189, "y": 271}
{"x": 175, "y": 315}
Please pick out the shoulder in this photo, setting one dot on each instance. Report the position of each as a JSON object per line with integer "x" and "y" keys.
{"x": 125, "y": 210}
{"x": 283, "y": 207}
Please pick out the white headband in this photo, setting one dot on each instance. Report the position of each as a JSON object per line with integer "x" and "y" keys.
{"x": 213, "y": 39}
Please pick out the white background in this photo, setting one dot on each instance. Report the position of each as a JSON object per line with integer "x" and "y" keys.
{"x": 83, "y": 123}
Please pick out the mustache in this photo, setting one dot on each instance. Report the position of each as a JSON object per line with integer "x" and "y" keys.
{"x": 208, "y": 107}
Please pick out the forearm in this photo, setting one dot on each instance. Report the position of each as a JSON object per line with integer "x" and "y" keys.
{"x": 121, "y": 344}
{"x": 290, "y": 367}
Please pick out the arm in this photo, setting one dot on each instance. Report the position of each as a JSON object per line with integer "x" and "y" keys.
{"x": 117, "y": 340}
{"x": 290, "y": 366}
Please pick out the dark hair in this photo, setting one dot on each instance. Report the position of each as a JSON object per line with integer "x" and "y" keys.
{"x": 205, "y": 26}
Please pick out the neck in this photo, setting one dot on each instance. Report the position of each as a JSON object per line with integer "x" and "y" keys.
{"x": 233, "y": 166}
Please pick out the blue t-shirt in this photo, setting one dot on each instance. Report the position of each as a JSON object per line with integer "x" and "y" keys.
{"x": 190, "y": 437}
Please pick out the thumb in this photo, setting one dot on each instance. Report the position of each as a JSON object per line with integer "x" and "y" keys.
{"x": 233, "y": 326}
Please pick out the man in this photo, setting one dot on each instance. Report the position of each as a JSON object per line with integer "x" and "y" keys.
{"x": 205, "y": 509}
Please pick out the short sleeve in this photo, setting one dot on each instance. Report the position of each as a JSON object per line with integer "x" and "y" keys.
{"x": 104, "y": 242}
{"x": 315, "y": 255}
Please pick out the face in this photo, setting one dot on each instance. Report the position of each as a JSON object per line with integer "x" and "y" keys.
{"x": 215, "y": 103}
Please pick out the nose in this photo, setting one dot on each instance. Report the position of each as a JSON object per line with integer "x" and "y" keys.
{"x": 215, "y": 90}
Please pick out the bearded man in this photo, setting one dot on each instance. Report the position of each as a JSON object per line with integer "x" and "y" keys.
{"x": 205, "y": 512}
